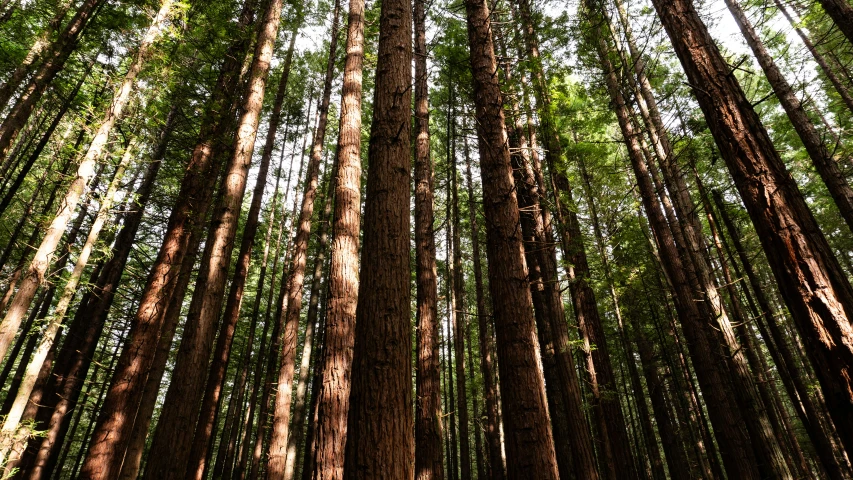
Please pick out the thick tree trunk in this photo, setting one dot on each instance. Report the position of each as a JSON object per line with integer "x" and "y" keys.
{"x": 333, "y": 401}
{"x": 792, "y": 377}
{"x": 814, "y": 287}
{"x": 380, "y": 423}
{"x": 841, "y": 14}
{"x": 428, "y": 416}
{"x": 530, "y": 448}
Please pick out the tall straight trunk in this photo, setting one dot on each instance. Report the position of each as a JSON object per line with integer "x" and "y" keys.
{"x": 333, "y": 396}
{"x": 530, "y": 448}
{"x": 428, "y": 416}
{"x": 583, "y": 297}
{"x": 737, "y": 454}
{"x": 170, "y": 448}
{"x": 273, "y": 363}
{"x": 827, "y": 70}
{"x": 262, "y": 375}
{"x": 458, "y": 323}
{"x": 85, "y": 171}
{"x": 115, "y": 421}
{"x": 449, "y": 383}
{"x": 792, "y": 377}
{"x": 310, "y": 443}
{"x": 222, "y": 351}
{"x": 814, "y": 287}
{"x": 13, "y": 438}
{"x": 380, "y": 424}
{"x": 297, "y": 433}
{"x": 63, "y": 47}
{"x": 492, "y": 428}
{"x": 841, "y": 14}
{"x": 822, "y": 159}
{"x": 277, "y": 449}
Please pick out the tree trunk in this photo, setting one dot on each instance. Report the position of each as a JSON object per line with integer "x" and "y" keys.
{"x": 297, "y": 433}
{"x": 428, "y": 416}
{"x": 380, "y": 424}
{"x": 29, "y": 97}
{"x": 14, "y": 80}
{"x": 222, "y": 351}
{"x": 841, "y": 14}
{"x": 114, "y": 425}
{"x": 530, "y": 448}
{"x": 842, "y": 90}
{"x": 333, "y": 396}
{"x": 814, "y": 287}
{"x": 170, "y": 448}
{"x": 47, "y": 342}
{"x": 791, "y": 374}
{"x": 458, "y": 323}
{"x": 277, "y": 450}
{"x": 492, "y": 433}
{"x": 737, "y": 455}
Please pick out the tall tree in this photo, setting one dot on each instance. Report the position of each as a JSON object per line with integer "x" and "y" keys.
{"x": 428, "y": 419}
{"x": 811, "y": 281}
{"x": 379, "y": 425}
{"x": 85, "y": 171}
{"x": 114, "y": 426}
{"x": 292, "y": 306}
{"x": 530, "y": 448}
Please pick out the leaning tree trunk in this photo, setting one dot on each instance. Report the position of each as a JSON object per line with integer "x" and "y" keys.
{"x": 114, "y": 425}
{"x": 814, "y": 286}
{"x": 380, "y": 423}
{"x": 737, "y": 454}
{"x": 841, "y": 14}
{"x": 530, "y": 448}
{"x": 822, "y": 159}
{"x": 52, "y": 64}
{"x": 222, "y": 352}
{"x": 85, "y": 171}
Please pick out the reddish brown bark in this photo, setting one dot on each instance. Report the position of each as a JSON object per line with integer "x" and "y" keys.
{"x": 380, "y": 423}
{"x": 814, "y": 287}
{"x": 530, "y": 448}
{"x": 330, "y": 434}
{"x": 428, "y": 424}
{"x": 114, "y": 425}
{"x": 290, "y": 309}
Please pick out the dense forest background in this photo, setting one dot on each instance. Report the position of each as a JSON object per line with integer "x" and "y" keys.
{"x": 422, "y": 239}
